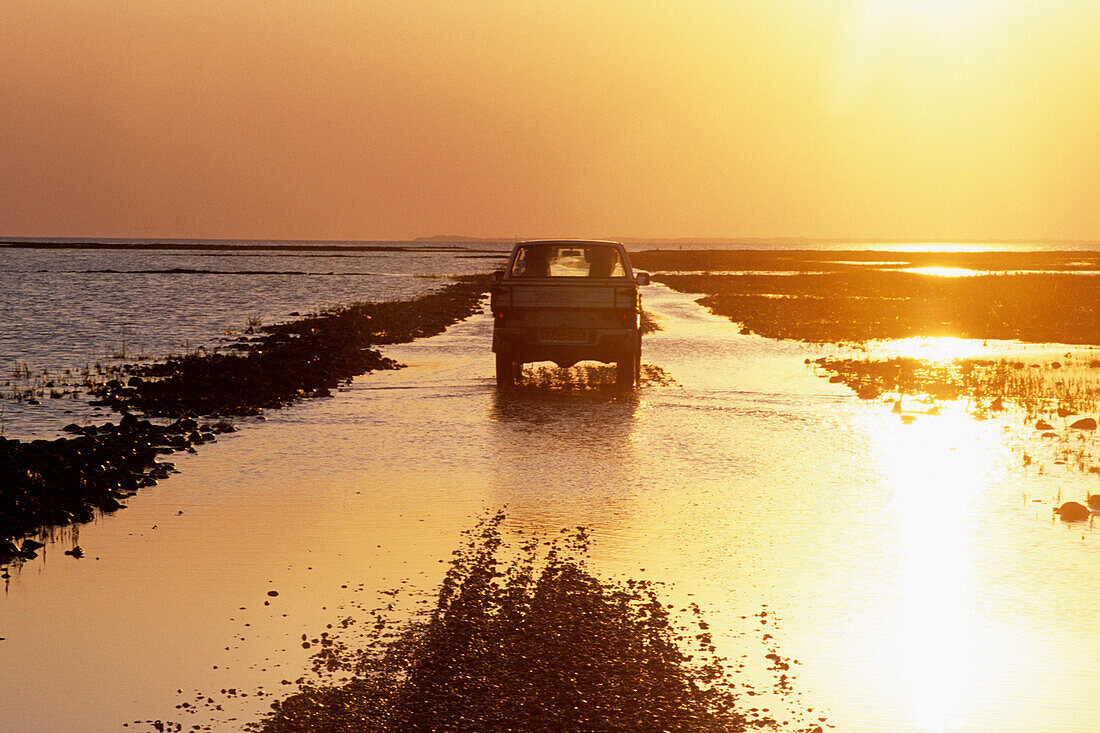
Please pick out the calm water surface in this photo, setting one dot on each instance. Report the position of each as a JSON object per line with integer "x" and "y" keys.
{"x": 64, "y": 313}
{"x": 912, "y": 570}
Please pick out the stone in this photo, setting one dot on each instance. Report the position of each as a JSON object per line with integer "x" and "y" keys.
{"x": 1072, "y": 511}
{"x": 1086, "y": 423}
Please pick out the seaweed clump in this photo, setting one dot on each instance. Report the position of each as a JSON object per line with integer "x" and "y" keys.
{"x": 537, "y": 645}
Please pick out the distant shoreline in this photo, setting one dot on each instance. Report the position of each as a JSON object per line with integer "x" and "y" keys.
{"x": 218, "y": 245}
{"x": 434, "y": 243}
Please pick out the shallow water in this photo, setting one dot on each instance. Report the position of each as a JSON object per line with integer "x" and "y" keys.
{"x": 906, "y": 567}
{"x": 69, "y": 313}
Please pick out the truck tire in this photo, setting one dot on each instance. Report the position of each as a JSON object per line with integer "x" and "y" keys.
{"x": 626, "y": 370}
{"x": 506, "y": 370}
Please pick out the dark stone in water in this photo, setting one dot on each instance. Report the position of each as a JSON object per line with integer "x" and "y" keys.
{"x": 1043, "y": 425}
{"x": 1086, "y": 423}
{"x": 1073, "y": 511}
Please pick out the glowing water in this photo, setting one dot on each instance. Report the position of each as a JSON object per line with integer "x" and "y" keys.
{"x": 904, "y": 566}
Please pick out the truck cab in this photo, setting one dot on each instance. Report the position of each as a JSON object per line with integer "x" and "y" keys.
{"x": 567, "y": 301}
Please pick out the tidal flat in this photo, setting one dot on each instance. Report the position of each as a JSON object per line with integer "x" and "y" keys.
{"x": 854, "y": 569}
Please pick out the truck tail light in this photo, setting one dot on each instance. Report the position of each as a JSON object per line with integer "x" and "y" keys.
{"x": 505, "y": 315}
{"x": 620, "y": 316}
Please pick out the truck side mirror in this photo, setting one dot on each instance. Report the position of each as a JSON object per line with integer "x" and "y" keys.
{"x": 642, "y": 278}
{"x": 498, "y": 276}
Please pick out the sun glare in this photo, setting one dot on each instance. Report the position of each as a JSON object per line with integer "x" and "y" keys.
{"x": 941, "y": 13}
{"x": 936, "y": 472}
{"x": 938, "y": 349}
{"x": 942, "y": 271}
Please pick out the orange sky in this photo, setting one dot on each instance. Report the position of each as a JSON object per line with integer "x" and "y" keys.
{"x": 934, "y": 119}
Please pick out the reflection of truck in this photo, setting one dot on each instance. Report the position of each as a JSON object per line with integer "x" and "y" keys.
{"x": 567, "y": 301}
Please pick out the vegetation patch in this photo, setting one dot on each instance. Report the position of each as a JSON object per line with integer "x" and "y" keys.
{"x": 1040, "y": 389}
{"x": 855, "y": 296}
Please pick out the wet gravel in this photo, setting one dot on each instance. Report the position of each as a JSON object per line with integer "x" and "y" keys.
{"x": 527, "y": 639}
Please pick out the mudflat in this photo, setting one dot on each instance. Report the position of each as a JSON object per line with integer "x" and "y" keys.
{"x": 854, "y": 296}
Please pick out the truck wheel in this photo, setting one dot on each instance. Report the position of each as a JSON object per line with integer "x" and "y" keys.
{"x": 626, "y": 371}
{"x": 506, "y": 370}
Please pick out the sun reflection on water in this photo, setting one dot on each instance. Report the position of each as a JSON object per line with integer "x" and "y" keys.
{"x": 943, "y": 271}
{"x": 934, "y": 348}
{"x": 937, "y": 471}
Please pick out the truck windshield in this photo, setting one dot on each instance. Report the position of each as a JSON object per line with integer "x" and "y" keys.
{"x": 566, "y": 260}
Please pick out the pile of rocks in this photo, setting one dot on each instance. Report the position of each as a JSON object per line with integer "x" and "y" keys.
{"x": 64, "y": 481}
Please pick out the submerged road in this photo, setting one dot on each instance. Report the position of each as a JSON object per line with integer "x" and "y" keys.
{"x": 903, "y": 566}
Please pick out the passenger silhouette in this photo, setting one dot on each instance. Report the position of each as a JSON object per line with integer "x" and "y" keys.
{"x": 536, "y": 263}
{"x": 602, "y": 261}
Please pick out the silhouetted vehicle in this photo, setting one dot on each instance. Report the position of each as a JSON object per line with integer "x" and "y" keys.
{"x": 567, "y": 301}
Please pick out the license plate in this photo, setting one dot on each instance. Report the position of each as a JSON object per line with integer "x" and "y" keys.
{"x": 561, "y": 334}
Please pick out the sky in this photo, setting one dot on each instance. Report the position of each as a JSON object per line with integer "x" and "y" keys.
{"x": 938, "y": 120}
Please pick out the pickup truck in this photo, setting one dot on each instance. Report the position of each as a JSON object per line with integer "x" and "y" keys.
{"x": 567, "y": 301}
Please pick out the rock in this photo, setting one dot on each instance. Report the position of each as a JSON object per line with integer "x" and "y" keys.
{"x": 76, "y": 552}
{"x": 31, "y": 546}
{"x": 1086, "y": 423}
{"x": 1094, "y": 502}
{"x": 867, "y": 392}
{"x": 1072, "y": 511}
{"x": 1043, "y": 425}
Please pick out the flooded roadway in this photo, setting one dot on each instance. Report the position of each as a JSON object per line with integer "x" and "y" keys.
{"x": 904, "y": 566}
